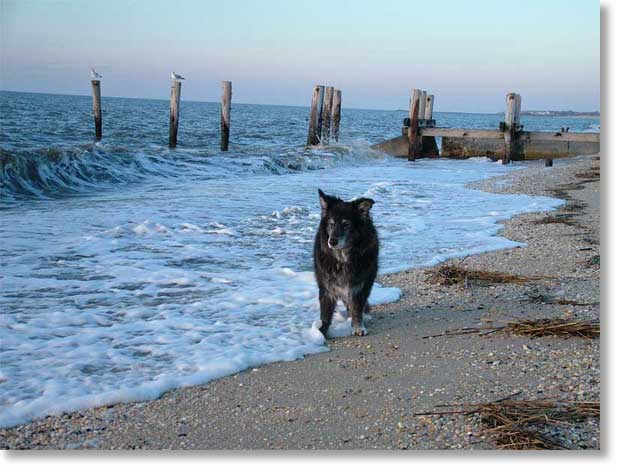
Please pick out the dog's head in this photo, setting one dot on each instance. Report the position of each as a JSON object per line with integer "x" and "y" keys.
{"x": 343, "y": 221}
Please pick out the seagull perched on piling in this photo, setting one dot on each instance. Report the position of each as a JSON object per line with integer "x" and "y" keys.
{"x": 94, "y": 75}
{"x": 176, "y": 76}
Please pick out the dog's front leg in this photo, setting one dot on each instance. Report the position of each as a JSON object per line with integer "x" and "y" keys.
{"x": 356, "y": 309}
{"x": 328, "y": 306}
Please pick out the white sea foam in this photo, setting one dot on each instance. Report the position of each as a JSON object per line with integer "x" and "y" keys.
{"x": 116, "y": 300}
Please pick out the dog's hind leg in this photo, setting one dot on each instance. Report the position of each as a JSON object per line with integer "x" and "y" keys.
{"x": 356, "y": 307}
{"x": 328, "y": 306}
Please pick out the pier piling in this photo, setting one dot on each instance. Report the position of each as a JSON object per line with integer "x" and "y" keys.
{"x": 97, "y": 108}
{"x": 313, "y": 121}
{"x": 413, "y": 134}
{"x": 428, "y": 109}
{"x": 327, "y": 114}
{"x": 511, "y": 126}
{"x": 319, "y": 126}
{"x": 225, "y": 115}
{"x": 422, "y": 108}
{"x": 175, "y": 102}
{"x": 336, "y": 103}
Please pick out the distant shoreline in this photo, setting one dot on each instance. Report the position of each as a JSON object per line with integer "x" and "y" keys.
{"x": 571, "y": 114}
{"x": 577, "y": 114}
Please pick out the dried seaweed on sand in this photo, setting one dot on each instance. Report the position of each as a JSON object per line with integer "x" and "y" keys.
{"x": 450, "y": 274}
{"x": 526, "y": 424}
{"x": 535, "y": 328}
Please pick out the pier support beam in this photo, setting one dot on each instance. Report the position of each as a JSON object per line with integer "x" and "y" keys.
{"x": 319, "y": 127}
{"x": 429, "y": 143}
{"x": 97, "y": 108}
{"x": 413, "y": 135}
{"x": 326, "y": 123}
{"x": 422, "y": 108}
{"x": 511, "y": 127}
{"x": 313, "y": 120}
{"x": 175, "y": 102}
{"x": 428, "y": 109}
{"x": 316, "y": 118}
{"x": 225, "y": 116}
{"x": 336, "y": 102}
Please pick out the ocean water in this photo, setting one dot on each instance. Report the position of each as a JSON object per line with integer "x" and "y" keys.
{"x": 128, "y": 269}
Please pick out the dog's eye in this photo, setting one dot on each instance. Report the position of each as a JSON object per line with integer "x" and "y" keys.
{"x": 346, "y": 223}
{"x": 331, "y": 223}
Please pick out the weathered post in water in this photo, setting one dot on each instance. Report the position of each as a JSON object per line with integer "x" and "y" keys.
{"x": 175, "y": 102}
{"x": 336, "y": 101}
{"x": 413, "y": 134}
{"x": 511, "y": 126}
{"x": 319, "y": 125}
{"x": 428, "y": 110}
{"x": 429, "y": 143}
{"x": 225, "y": 115}
{"x": 97, "y": 108}
{"x": 422, "y": 108}
{"x": 548, "y": 161}
{"x": 313, "y": 121}
{"x": 326, "y": 124}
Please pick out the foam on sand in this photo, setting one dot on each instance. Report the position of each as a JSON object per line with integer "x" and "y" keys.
{"x": 123, "y": 296}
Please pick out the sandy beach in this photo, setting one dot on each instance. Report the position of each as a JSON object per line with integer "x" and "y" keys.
{"x": 364, "y": 392}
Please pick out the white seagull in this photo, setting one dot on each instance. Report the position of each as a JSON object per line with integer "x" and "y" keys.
{"x": 176, "y": 76}
{"x": 94, "y": 75}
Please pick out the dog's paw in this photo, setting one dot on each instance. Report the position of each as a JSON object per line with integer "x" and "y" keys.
{"x": 359, "y": 331}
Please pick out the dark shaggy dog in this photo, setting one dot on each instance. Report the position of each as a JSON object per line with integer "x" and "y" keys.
{"x": 346, "y": 258}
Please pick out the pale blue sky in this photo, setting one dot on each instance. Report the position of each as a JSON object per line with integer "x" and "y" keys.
{"x": 468, "y": 53}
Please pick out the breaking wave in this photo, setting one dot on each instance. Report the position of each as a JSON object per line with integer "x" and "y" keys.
{"x": 58, "y": 171}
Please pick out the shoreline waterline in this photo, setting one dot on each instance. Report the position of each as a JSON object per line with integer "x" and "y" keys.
{"x": 367, "y": 384}
{"x": 151, "y": 390}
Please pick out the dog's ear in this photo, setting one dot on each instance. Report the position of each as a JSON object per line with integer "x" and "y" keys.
{"x": 363, "y": 205}
{"x": 324, "y": 198}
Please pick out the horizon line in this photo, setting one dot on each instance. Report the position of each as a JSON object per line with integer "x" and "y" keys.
{"x": 292, "y": 105}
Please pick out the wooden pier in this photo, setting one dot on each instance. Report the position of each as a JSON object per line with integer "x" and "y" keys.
{"x": 507, "y": 143}
{"x": 419, "y": 132}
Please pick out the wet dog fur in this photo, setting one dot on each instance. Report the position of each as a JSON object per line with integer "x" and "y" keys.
{"x": 346, "y": 258}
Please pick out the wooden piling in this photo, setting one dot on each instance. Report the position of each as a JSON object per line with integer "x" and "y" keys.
{"x": 511, "y": 109}
{"x": 175, "y": 102}
{"x": 413, "y": 135}
{"x": 511, "y": 125}
{"x": 336, "y": 102}
{"x": 225, "y": 115}
{"x": 319, "y": 126}
{"x": 327, "y": 115}
{"x": 97, "y": 108}
{"x": 548, "y": 162}
{"x": 313, "y": 121}
{"x": 422, "y": 107}
{"x": 428, "y": 109}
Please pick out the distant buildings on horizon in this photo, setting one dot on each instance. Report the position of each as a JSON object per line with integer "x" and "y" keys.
{"x": 561, "y": 113}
